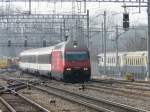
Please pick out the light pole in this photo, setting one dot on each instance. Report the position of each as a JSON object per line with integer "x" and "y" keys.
{"x": 104, "y": 36}
{"x": 148, "y": 65}
{"x": 116, "y": 41}
{"x": 105, "y": 43}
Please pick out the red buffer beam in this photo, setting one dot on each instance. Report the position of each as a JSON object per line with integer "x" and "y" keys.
{"x": 126, "y": 1}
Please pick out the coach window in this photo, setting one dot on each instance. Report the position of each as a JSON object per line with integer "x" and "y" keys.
{"x": 44, "y": 59}
{"x": 136, "y": 61}
{"x": 25, "y": 59}
{"x": 142, "y": 61}
{"x": 29, "y": 59}
{"x": 139, "y": 60}
{"x": 132, "y": 61}
{"x": 33, "y": 59}
{"x": 129, "y": 61}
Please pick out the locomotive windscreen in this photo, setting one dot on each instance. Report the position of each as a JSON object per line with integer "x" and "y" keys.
{"x": 76, "y": 55}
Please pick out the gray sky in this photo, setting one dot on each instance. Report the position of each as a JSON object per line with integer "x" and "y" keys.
{"x": 95, "y": 9}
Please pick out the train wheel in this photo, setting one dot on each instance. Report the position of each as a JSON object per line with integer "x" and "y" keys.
{"x": 37, "y": 73}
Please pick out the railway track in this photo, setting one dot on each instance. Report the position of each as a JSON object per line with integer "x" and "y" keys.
{"x": 84, "y": 100}
{"x": 113, "y": 81}
{"x": 15, "y": 102}
{"x": 18, "y": 103}
{"x": 118, "y": 91}
{"x": 98, "y": 104}
{"x": 126, "y": 84}
{"x": 110, "y": 89}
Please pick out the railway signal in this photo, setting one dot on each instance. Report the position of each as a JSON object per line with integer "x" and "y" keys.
{"x": 126, "y": 21}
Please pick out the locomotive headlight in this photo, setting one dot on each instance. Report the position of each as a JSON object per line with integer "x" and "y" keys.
{"x": 68, "y": 69}
{"x": 85, "y": 69}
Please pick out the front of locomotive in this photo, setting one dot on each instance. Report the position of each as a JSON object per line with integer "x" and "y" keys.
{"x": 77, "y": 67}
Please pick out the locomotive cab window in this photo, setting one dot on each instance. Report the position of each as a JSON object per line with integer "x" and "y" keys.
{"x": 76, "y": 55}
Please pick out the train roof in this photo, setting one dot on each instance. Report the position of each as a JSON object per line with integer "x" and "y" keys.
{"x": 43, "y": 50}
{"x": 61, "y": 46}
{"x": 37, "y": 51}
{"x": 137, "y": 53}
{"x": 111, "y": 54}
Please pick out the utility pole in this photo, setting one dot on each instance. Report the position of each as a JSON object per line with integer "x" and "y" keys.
{"x": 29, "y": 7}
{"x": 88, "y": 28}
{"x": 104, "y": 42}
{"x": 84, "y": 6}
{"x": 64, "y": 30}
{"x": 148, "y": 65}
{"x": 102, "y": 38}
{"x": 117, "y": 57}
{"x": 116, "y": 41}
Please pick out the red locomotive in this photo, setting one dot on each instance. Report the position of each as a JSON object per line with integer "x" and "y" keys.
{"x": 67, "y": 61}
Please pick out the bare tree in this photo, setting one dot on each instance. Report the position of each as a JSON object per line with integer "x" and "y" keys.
{"x": 140, "y": 44}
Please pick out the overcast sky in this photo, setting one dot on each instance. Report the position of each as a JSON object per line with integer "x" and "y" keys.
{"x": 95, "y": 9}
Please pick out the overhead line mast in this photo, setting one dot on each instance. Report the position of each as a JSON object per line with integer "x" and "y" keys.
{"x": 117, "y": 1}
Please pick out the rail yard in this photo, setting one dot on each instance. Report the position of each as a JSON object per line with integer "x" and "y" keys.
{"x": 42, "y": 94}
{"x": 74, "y": 55}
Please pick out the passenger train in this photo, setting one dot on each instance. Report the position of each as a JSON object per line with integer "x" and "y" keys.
{"x": 68, "y": 61}
{"x": 128, "y": 62}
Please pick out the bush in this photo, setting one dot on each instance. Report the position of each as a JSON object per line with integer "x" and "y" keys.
{"x": 129, "y": 77}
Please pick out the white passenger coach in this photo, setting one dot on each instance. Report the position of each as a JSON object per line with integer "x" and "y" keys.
{"x": 128, "y": 62}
